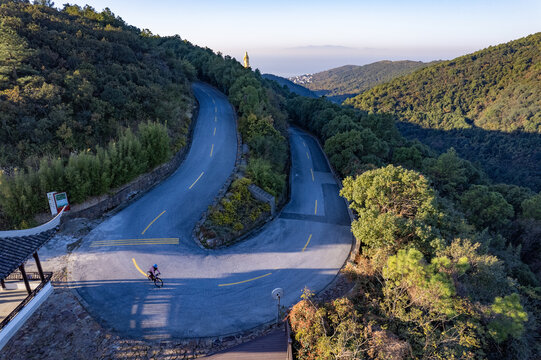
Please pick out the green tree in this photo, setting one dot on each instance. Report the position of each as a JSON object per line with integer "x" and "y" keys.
{"x": 485, "y": 208}
{"x": 273, "y": 148}
{"x": 402, "y": 192}
{"x": 348, "y": 150}
{"x": 514, "y": 195}
{"x": 509, "y": 318}
{"x": 531, "y": 207}
{"x": 409, "y": 157}
{"x": 448, "y": 173}
{"x": 260, "y": 170}
{"x": 155, "y": 142}
{"x": 13, "y": 51}
{"x": 47, "y": 3}
{"x": 339, "y": 124}
{"x": 485, "y": 277}
{"x": 428, "y": 286}
{"x": 128, "y": 159}
{"x": 396, "y": 208}
{"x": 329, "y": 331}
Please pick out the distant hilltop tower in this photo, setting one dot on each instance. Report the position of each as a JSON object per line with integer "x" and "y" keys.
{"x": 246, "y": 60}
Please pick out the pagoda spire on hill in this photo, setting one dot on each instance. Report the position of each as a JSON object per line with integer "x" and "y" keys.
{"x": 246, "y": 60}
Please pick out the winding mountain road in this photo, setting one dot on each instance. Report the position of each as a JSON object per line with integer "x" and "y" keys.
{"x": 211, "y": 292}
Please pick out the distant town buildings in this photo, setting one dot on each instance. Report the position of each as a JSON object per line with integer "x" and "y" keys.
{"x": 301, "y": 79}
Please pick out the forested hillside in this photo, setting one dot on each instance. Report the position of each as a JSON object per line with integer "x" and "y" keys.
{"x": 448, "y": 264}
{"x": 72, "y": 80}
{"x": 88, "y": 103}
{"x": 349, "y": 80}
{"x": 486, "y": 104}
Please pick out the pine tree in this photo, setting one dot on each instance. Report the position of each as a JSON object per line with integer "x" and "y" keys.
{"x": 13, "y": 50}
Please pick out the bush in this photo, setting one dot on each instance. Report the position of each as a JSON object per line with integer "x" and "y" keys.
{"x": 128, "y": 159}
{"x": 485, "y": 208}
{"x": 330, "y": 331}
{"x": 235, "y": 212}
{"x": 396, "y": 208}
{"x": 83, "y": 175}
{"x": 355, "y": 147}
{"x": 155, "y": 142}
{"x": 509, "y": 318}
{"x": 531, "y": 207}
{"x": 260, "y": 170}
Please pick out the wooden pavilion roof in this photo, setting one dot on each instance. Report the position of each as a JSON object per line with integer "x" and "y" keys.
{"x": 14, "y": 251}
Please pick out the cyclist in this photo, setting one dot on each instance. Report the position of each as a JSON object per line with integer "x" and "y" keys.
{"x": 153, "y": 272}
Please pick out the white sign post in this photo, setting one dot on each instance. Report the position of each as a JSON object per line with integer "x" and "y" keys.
{"x": 61, "y": 200}
{"x": 52, "y": 203}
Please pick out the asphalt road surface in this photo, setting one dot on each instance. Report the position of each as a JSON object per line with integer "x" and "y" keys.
{"x": 211, "y": 292}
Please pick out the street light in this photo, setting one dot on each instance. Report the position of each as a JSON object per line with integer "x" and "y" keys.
{"x": 277, "y": 294}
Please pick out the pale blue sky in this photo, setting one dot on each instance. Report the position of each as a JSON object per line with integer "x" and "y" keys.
{"x": 297, "y": 37}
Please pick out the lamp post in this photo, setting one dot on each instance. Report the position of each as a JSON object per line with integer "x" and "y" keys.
{"x": 277, "y": 294}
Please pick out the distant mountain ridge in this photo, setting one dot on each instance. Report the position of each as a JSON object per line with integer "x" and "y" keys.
{"x": 498, "y": 88}
{"x": 349, "y": 80}
{"x": 487, "y": 105}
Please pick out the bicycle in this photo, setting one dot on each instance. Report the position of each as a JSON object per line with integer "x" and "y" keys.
{"x": 157, "y": 281}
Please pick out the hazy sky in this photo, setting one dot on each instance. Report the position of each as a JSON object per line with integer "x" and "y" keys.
{"x": 298, "y": 36}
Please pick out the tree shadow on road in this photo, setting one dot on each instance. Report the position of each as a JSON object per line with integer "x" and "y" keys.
{"x": 195, "y": 307}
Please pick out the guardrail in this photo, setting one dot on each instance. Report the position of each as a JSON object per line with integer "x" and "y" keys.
{"x": 287, "y": 329}
{"x": 31, "y": 276}
{"x": 55, "y": 222}
{"x": 14, "y": 276}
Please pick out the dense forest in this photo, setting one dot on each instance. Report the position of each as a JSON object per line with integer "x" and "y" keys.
{"x": 89, "y": 103}
{"x": 72, "y": 80}
{"x": 345, "y": 81}
{"x": 487, "y": 105}
{"x": 448, "y": 265}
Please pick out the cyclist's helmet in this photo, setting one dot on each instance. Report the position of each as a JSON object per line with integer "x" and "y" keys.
{"x": 155, "y": 266}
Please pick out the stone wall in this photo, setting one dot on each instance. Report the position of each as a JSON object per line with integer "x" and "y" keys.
{"x": 263, "y": 196}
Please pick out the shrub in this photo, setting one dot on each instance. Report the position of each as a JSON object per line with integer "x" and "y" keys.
{"x": 509, "y": 318}
{"x": 485, "y": 208}
{"x": 260, "y": 170}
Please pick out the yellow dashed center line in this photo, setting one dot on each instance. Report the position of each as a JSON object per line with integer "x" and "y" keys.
{"x": 215, "y": 109}
{"x": 191, "y": 186}
{"x": 214, "y": 133}
{"x": 312, "y": 171}
{"x": 152, "y": 222}
{"x": 308, "y": 156}
{"x": 132, "y": 242}
{"x": 211, "y": 150}
{"x": 308, "y": 242}
{"x": 242, "y": 282}
{"x": 304, "y": 144}
{"x": 214, "y": 102}
{"x": 138, "y": 268}
{"x": 215, "y": 118}
{"x": 315, "y": 211}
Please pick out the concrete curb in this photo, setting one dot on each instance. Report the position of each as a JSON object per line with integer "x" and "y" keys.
{"x": 355, "y": 244}
{"x": 223, "y": 191}
{"x": 225, "y": 186}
